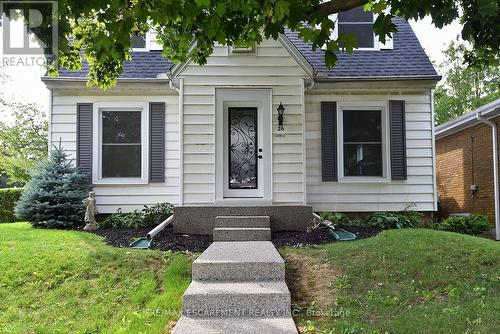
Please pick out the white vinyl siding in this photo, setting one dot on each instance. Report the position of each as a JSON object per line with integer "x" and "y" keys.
{"x": 133, "y": 196}
{"x": 270, "y": 66}
{"x": 373, "y": 196}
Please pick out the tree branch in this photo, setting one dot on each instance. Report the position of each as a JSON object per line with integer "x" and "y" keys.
{"x": 337, "y": 6}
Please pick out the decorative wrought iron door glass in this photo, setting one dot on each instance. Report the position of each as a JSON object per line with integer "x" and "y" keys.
{"x": 242, "y": 148}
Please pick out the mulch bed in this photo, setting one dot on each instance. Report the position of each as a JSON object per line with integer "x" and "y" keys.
{"x": 318, "y": 236}
{"x": 167, "y": 240}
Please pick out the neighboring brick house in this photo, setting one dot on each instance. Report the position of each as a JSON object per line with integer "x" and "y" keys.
{"x": 464, "y": 163}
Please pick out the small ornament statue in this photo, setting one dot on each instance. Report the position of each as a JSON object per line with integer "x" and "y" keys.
{"x": 90, "y": 212}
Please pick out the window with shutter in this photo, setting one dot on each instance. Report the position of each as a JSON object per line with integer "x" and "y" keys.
{"x": 121, "y": 143}
{"x": 363, "y": 129}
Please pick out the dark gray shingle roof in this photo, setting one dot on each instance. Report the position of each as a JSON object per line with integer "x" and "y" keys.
{"x": 144, "y": 65}
{"x": 407, "y": 59}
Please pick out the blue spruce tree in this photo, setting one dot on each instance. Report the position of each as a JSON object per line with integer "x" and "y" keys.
{"x": 53, "y": 197}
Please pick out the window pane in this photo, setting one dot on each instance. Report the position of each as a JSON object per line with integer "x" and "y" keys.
{"x": 362, "y": 126}
{"x": 363, "y": 33}
{"x": 138, "y": 42}
{"x": 121, "y": 161}
{"x": 243, "y": 148}
{"x": 356, "y": 15}
{"x": 121, "y": 127}
{"x": 363, "y": 159}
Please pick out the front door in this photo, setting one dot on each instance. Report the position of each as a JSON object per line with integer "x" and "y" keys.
{"x": 243, "y": 152}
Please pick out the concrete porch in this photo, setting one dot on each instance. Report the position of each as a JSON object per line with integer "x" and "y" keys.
{"x": 192, "y": 219}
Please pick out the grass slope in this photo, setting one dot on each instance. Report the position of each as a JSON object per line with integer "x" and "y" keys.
{"x": 401, "y": 281}
{"x": 71, "y": 282}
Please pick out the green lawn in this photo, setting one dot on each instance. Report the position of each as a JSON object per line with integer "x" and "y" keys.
{"x": 401, "y": 281}
{"x": 72, "y": 282}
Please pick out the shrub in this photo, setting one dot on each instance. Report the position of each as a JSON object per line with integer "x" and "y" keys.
{"x": 53, "y": 197}
{"x": 337, "y": 218}
{"x": 396, "y": 219}
{"x": 156, "y": 214}
{"x": 473, "y": 224}
{"x": 121, "y": 219}
{"x": 147, "y": 217}
{"x": 8, "y": 199}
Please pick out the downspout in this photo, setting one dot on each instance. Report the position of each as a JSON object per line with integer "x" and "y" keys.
{"x": 494, "y": 132}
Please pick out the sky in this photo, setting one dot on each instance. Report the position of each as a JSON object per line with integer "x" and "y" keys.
{"x": 25, "y": 81}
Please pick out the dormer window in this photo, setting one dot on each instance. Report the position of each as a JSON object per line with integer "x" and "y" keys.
{"x": 145, "y": 42}
{"x": 138, "y": 41}
{"x": 360, "y": 23}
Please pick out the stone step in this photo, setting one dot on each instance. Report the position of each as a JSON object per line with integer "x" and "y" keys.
{"x": 237, "y": 299}
{"x": 243, "y": 221}
{"x": 239, "y": 261}
{"x": 188, "y": 325}
{"x": 241, "y": 234}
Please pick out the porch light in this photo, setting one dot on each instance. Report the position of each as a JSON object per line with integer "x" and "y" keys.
{"x": 281, "y": 110}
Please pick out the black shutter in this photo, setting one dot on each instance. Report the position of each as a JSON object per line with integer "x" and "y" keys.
{"x": 329, "y": 141}
{"x": 398, "y": 139}
{"x": 157, "y": 142}
{"x": 84, "y": 126}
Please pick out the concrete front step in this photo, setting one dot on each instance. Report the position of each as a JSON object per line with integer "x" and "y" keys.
{"x": 235, "y": 325}
{"x": 241, "y": 234}
{"x": 243, "y": 221}
{"x": 239, "y": 261}
{"x": 237, "y": 299}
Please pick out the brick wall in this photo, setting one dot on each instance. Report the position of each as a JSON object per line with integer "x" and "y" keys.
{"x": 462, "y": 159}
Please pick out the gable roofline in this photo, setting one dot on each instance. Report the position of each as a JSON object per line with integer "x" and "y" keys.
{"x": 488, "y": 111}
{"x": 177, "y": 68}
{"x": 296, "y": 55}
{"x": 282, "y": 38}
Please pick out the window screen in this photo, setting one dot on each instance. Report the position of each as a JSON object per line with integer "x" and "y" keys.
{"x": 362, "y": 132}
{"x": 121, "y": 144}
{"x": 358, "y": 22}
{"x": 138, "y": 42}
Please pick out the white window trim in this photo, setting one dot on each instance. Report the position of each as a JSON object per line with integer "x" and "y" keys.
{"x": 97, "y": 142}
{"x": 368, "y": 105}
{"x": 377, "y": 44}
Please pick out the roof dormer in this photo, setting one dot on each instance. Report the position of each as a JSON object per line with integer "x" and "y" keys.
{"x": 145, "y": 42}
{"x": 360, "y": 23}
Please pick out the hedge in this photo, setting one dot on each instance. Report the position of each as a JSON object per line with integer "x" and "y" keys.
{"x": 8, "y": 199}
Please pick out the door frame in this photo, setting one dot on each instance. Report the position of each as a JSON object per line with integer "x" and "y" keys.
{"x": 243, "y": 97}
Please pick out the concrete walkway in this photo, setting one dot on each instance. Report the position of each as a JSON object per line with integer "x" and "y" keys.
{"x": 238, "y": 286}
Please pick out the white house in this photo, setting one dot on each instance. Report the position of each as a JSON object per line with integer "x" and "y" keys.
{"x": 354, "y": 138}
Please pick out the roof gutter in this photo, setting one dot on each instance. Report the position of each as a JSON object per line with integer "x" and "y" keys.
{"x": 494, "y": 132}
{"x": 375, "y": 78}
{"x": 83, "y": 80}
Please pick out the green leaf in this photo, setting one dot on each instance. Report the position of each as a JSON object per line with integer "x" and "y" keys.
{"x": 330, "y": 58}
{"x": 348, "y": 41}
{"x": 281, "y": 9}
{"x": 487, "y": 8}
